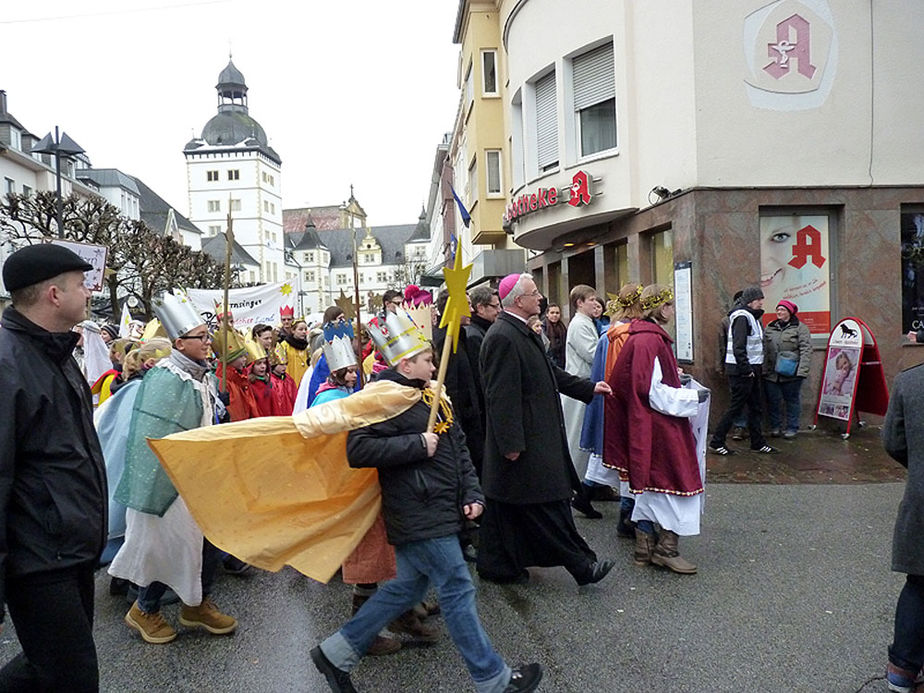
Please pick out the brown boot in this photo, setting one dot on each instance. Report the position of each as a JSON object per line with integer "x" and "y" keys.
{"x": 382, "y": 646}
{"x": 411, "y": 625}
{"x": 644, "y": 545}
{"x": 206, "y": 615}
{"x": 665, "y": 554}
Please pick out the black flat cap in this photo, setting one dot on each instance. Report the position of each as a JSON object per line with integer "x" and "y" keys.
{"x": 36, "y": 263}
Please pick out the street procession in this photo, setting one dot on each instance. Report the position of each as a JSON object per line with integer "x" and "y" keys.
{"x": 600, "y": 376}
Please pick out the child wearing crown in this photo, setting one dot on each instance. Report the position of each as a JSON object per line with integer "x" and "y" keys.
{"x": 429, "y": 488}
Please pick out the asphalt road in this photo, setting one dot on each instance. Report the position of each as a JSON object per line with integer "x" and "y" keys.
{"x": 794, "y": 593}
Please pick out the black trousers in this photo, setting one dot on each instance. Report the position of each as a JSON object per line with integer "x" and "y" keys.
{"x": 745, "y": 392}
{"x": 53, "y": 615}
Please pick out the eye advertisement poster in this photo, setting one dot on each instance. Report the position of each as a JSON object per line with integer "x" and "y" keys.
{"x": 795, "y": 265}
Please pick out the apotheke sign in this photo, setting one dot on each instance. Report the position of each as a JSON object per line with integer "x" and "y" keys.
{"x": 577, "y": 194}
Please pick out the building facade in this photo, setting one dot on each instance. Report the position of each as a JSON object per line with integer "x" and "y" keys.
{"x": 725, "y": 145}
{"x": 231, "y": 168}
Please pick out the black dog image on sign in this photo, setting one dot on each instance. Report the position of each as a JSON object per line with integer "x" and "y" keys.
{"x": 847, "y": 331}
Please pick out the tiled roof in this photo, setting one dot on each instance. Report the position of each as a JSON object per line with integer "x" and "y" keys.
{"x": 154, "y": 210}
{"x": 324, "y": 218}
{"x": 215, "y": 246}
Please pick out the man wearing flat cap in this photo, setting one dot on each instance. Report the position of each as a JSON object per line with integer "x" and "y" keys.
{"x": 53, "y": 497}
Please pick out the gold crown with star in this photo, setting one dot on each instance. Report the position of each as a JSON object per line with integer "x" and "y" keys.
{"x": 399, "y": 338}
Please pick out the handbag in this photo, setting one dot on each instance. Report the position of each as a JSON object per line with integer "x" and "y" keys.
{"x": 787, "y": 362}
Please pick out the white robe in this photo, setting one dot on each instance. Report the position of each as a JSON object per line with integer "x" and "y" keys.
{"x": 679, "y": 514}
{"x": 579, "y": 358}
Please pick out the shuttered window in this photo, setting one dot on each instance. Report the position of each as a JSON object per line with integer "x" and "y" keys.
{"x": 595, "y": 99}
{"x": 546, "y": 123}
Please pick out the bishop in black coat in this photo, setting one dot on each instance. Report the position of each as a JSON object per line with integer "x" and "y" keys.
{"x": 527, "y": 519}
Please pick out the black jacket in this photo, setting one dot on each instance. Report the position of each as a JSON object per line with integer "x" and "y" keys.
{"x": 53, "y": 496}
{"x": 422, "y": 497}
{"x": 523, "y": 414}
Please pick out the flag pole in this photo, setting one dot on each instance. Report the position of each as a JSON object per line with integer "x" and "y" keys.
{"x": 360, "y": 376}
{"x": 229, "y": 238}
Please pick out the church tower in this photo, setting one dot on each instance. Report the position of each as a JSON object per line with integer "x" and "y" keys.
{"x": 232, "y": 167}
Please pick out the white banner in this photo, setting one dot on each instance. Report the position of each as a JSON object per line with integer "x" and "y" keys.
{"x": 249, "y": 306}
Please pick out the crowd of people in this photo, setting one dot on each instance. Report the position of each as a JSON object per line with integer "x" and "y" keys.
{"x": 538, "y": 419}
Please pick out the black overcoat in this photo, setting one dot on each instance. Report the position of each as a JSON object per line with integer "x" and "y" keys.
{"x": 523, "y": 408}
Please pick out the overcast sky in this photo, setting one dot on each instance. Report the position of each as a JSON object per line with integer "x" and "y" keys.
{"x": 355, "y": 91}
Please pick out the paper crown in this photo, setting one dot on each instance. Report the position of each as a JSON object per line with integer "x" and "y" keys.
{"x": 399, "y": 339}
{"x": 422, "y": 315}
{"x": 219, "y": 313}
{"x": 231, "y": 349}
{"x": 255, "y": 349}
{"x": 338, "y": 345}
{"x": 153, "y": 329}
{"x": 286, "y": 312}
{"x": 177, "y": 314}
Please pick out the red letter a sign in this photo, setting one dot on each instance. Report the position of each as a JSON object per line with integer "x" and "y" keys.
{"x": 807, "y": 245}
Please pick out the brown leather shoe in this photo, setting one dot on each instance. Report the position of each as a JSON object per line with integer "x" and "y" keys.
{"x": 382, "y": 646}
{"x": 153, "y": 628}
{"x": 409, "y": 624}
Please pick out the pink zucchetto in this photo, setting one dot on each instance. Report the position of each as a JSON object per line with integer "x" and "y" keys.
{"x": 506, "y": 285}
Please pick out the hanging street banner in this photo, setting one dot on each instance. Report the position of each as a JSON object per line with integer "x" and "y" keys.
{"x": 249, "y": 306}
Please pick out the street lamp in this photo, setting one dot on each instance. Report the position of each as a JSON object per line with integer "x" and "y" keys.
{"x": 59, "y": 146}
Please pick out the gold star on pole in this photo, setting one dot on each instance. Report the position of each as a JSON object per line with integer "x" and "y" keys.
{"x": 345, "y": 303}
{"x": 457, "y": 306}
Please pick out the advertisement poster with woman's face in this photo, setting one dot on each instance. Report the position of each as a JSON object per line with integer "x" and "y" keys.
{"x": 841, "y": 368}
{"x": 794, "y": 265}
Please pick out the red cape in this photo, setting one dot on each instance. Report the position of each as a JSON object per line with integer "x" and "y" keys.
{"x": 656, "y": 450}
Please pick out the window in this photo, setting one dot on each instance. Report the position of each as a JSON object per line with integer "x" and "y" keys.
{"x": 492, "y": 159}
{"x": 309, "y": 257}
{"x": 265, "y": 206}
{"x": 211, "y": 176}
{"x": 489, "y": 73}
{"x": 381, "y": 277}
{"x": 235, "y": 205}
{"x": 10, "y": 185}
{"x": 517, "y": 166}
{"x": 267, "y": 178}
{"x": 234, "y": 174}
{"x": 595, "y": 99}
{"x": 214, "y": 230}
{"x": 369, "y": 257}
{"x": 546, "y": 124}
{"x": 214, "y": 205}
{"x": 26, "y": 191}
{"x": 253, "y": 279}
{"x": 341, "y": 278}
{"x": 309, "y": 276}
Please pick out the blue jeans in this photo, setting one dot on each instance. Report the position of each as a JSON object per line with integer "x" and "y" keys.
{"x": 438, "y": 561}
{"x": 907, "y": 649}
{"x": 786, "y": 392}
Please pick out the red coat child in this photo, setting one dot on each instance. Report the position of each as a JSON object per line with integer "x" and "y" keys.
{"x": 284, "y": 391}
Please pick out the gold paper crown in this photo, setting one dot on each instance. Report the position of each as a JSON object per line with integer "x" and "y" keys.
{"x": 399, "y": 338}
{"x": 153, "y": 329}
{"x": 231, "y": 350}
{"x": 422, "y": 315}
{"x": 659, "y": 299}
{"x": 255, "y": 349}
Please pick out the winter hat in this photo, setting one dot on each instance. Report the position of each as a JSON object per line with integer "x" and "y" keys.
{"x": 751, "y": 293}
{"x": 789, "y": 305}
{"x": 506, "y": 285}
{"x": 36, "y": 263}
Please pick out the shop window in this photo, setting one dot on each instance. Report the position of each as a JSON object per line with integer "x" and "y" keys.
{"x": 595, "y": 99}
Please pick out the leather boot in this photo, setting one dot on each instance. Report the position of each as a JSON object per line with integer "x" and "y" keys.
{"x": 644, "y": 545}
{"x": 381, "y": 645}
{"x": 625, "y": 529}
{"x": 409, "y": 624}
{"x": 665, "y": 554}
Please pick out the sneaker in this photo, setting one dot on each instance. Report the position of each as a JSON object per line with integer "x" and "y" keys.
{"x": 766, "y": 450}
{"x": 337, "y": 679}
{"x": 207, "y": 616}
{"x": 720, "y": 450}
{"x": 789, "y": 435}
{"x": 900, "y": 680}
{"x": 153, "y": 628}
{"x": 525, "y": 678}
{"x": 775, "y": 433}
